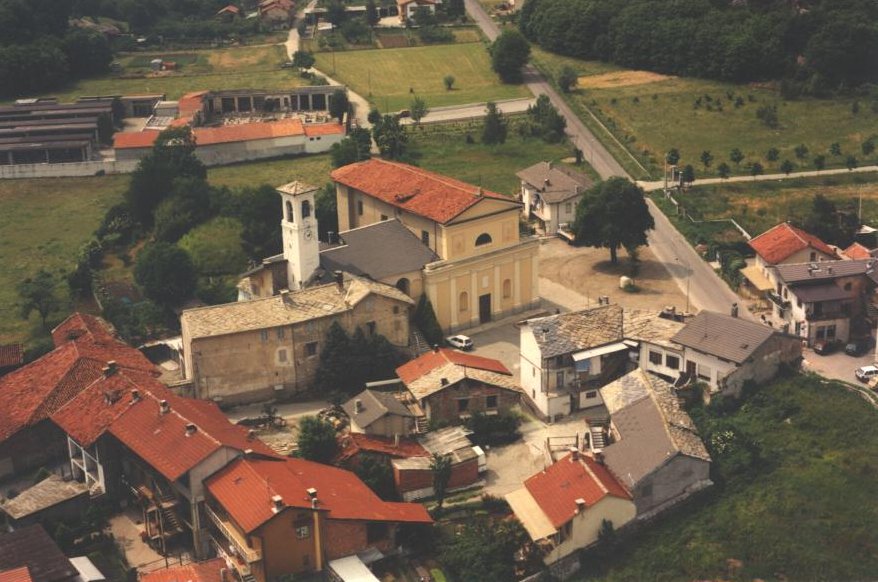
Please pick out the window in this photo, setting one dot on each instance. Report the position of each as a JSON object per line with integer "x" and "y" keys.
{"x": 848, "y": 286}
{"x": 370, "y": 328}
{"x": 491, "y": 402}
{"x": 280, "y": 333}
{"x": 704, "y": 372}
{"x": 813, "y": 256}
{"x": 483, "y": 239}
{"x": 568, "y": 207}
{"x": 655, "y": 358}
{"x": 830, "y": 332}
{"x": 383, "y": 217}
{"x": 425, "y": 237}
{"x": 507, "y": 288}
{"x": 303, "y": 531}
{"x": 282, "y": 355}
{"x": 263, "y": 335}
{"x": 360, "y": 207}
{"x": 591, "y": 394}
{"x": 395, "y": 309}
{"x": 533, "y": 372}
{"x": 821, "y": 332}
{"x": 672, "y": 362}
{"x": 463, "y": 301}
{"x": 289, "y": 206}
{"x": 311, "y": 349}
{"x": 559, "y": 378}
{"x": 306, "y": 208}
{"x": 462, "y": 404}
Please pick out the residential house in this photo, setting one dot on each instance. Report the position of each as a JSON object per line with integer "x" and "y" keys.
{"x": 256, "y": 350}
{"x": 725, "y": 352}
{"x": 824, "y": 300}
{"x": 275, "y": 517}
{"x": 449, "y": 385}
{"x": 408, "y": 8}
{"x": 859, "y": 251}
{"x": 277, "y": 13}
{"x": 550, "y": 194}
{"x": 563, "y": 507}
{"x": 779, "y": 245}
{"x": 484, "y": 271}
{"x": 654, "y": 448}
{"x": 213, "y": 570}
{"x": 379, "y": 414}
{"x": 31, "y": 394}
{"x": 413, "y": 473}
{"x": 228, "y": 13}
{"x": 28, "y": 554}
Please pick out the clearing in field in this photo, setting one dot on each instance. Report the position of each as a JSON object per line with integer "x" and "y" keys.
{"x": 620, "y": 79}
{"x": 390, "y": 78}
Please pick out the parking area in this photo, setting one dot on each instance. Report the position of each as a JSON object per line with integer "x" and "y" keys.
{"x": 837, "y": 366}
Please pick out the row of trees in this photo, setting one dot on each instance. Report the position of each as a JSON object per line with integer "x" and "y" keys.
{"x": 832, "y": 43}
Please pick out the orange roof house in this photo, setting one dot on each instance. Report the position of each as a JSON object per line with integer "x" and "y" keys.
{"x": 213, "y": 570}
{"x": 858, "y": 251}
{"x": 785, "y": 243}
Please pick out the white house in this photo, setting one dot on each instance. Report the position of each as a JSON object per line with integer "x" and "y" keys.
{"x": 783, "y": 244}
{"x": 550, "y": 194}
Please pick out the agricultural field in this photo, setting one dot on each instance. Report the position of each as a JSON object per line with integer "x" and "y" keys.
{"x": 653, "y": 113}
{"x": 793, "y": 499}
{"x": 390, "y": 78}
{"x": 230, "y": 68}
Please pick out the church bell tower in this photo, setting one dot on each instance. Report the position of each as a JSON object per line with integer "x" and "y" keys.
{"x": 299, "y": 230}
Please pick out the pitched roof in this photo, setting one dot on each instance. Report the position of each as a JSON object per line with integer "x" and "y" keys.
{"x": 439, "y": 369}
{"x": 555, "y": 183}
{"x": 11, "y": 355}
{"x": 780, "y": 241}
{"x": 246, "y": 486}
{"x": 21, "y": 574}
{"x": 298, "y": 306}
{"x": 826, "y": 270}
{"x": 428, "y": 194}
{"x": 378, "y": 250}
{"x": 80, "y": 325}
{"x": 557, "y": 488}
{"x": 315, "y": 129}
{"x": 726, "y": 337}
{"x": 647, "y": 325}
{"x": 354, "y": 443}
{"x": 205, "y": 136}
{"x": 32, "y": 547}
{"x": 374, "y": 405}
{"x": 207, "y": 571}
{"x": 568, "y": 332}
{"x": 857, "y": 251}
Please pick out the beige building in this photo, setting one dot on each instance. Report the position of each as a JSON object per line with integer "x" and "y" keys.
{"x": 255, "y": 350}
{"x": 485, "y": 269}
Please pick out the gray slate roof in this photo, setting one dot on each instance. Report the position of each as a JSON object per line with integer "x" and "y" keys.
{"x": 378, "y": 250}
{"x": 726, "y": 337}
{"x": 821, "y": 292}
{"x": 562, "y": 181}
{"x": 375, "y": 405}
{"x": 590, "y": 328}
{"x": 826, "y": 270}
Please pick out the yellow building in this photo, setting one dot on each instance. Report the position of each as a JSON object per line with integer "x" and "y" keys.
{"x": 485, "y": 269}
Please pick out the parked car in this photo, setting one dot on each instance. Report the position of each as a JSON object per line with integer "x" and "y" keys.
{"x": 866, "y": 373}
{"x": 824, "y": 347}
{"x": 460, "y": 342}
{"x": 858, "y": 347}
{"x": 404, "y": 113}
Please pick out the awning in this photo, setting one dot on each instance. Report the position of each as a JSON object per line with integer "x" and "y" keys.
{"x": 601, "y": 351}
{"x": 529, "y": 513}
{"x": 756, "y": 278}
{"x": 351, "y": 569}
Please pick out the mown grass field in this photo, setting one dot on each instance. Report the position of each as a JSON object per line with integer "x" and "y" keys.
{"x": 652, "y": 114}
{"x": 245, "y": 67}
{"x": 794, "y": 498}
{"x": 386, "y": 76}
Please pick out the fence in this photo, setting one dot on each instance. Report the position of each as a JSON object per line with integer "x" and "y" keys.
{"x": 69, "y": 170}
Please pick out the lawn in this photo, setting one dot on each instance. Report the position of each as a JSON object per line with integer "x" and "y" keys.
{"x": 253, "y": 67}
{"x": 390, "y": 78}
{"x": 310, "y": 169}
{"x": 794, "y": 499}
{"x": 653, "y": 113}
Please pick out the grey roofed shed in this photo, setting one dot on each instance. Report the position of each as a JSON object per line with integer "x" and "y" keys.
{"x": 374, "y": 405}
{"x": 726, "y": 337}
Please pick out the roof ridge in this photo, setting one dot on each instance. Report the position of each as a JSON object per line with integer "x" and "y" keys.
{"x": 594, "y": 477}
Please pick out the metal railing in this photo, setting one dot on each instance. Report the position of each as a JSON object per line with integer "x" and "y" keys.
{"x": 233, "y": 537}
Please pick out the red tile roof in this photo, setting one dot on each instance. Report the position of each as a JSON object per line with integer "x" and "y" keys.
{"x": 16, "y": 575}
{"x": 248, "y": 131}
{"x": 355, "y": 443}
{"x": 131, "y": 139}
{"x": 413, "y": 189}
{"x": 557, "y": 488}
{"x": 11, "y": 355}
{"x": 314, "y": 129}
{"x": 781, "y": 241}
{"x": 190, "y": 104}
{"x": 245, "y": 488}
{"x": 857, "y": 251}
{"x": 424, "y": 364}
{"x": 207, "y": 571}
{"x": 82, "y": 324}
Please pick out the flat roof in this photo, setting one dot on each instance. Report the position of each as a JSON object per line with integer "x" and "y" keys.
{"x": 45, "y": 494}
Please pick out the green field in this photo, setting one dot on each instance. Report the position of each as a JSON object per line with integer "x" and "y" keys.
{"x": 794, "y": 498}
{"x": 652, "y": 114}
{"x": 311, "y": 169}
{"x": 385, "y": 76}
{"x": 255, "y": 67}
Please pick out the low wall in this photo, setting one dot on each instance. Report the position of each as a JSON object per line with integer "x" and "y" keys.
{"x": 73, "y": 169}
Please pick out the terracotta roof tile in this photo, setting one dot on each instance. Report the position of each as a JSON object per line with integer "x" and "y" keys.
{"x": 315, "y": 129}
{"x": 207, "y": 571}
{"x": 557, "y": 488}
{"x": 11, "y": 355}
{"x": 429, "y": 361}
{"x": 352, "y": 444}
{"x": 16, "y": 575}
{"x": 134, "y": 139}
{"x": 857, "y": 251}
{"x": 781, "y": 241}
{"x": 413, "y": 189}
{"x": 248, "y": 131}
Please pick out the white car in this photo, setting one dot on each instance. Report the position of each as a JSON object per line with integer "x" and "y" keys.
{"x": 460, "y": 342}
{"x": 866, "y": 373}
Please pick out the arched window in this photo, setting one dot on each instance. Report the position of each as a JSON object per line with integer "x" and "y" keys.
{"x": 289, "y": 206}
{"x": 507, "y": 288}
{"x": 403, "y": 285}
{"x": 483, "y": 239}
{"x": 463, "y": 302}
{"x": 306, "y": 208}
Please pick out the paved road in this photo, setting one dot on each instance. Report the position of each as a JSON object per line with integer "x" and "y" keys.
{"x": 658, "y": 185}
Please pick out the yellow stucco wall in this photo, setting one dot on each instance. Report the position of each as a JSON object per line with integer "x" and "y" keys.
{"x": 587, "y": 524}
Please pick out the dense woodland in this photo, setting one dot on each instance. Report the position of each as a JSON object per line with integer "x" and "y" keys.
{"x": 814, "y": 46}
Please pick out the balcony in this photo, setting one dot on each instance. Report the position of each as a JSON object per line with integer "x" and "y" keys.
{"x": 776, "y": 299}
{"x": 233, "y": 537}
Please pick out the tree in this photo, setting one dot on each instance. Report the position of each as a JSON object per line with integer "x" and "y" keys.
{"x": 567, "y": 78}
{"x": 376, "y": 473}
{"x": 418, "y": 108}
{"x": 483, "y": 549}
{"x": 850, "y": 162}
{"x": 88, "y": 53}
{"x": 38, "y": 294}
{"x": 215, "y": 247}
{"x": 455, "y": 8}
{"x": 187, "y": 204}
{"x": 613, "y": 214}
{"x": 317, "y": 439}
{"x": 494, "y": 130}
{"x": 673, "y": 157}
{"x": 819, "y": 162}
{"x": 303, "y": 60}
{"x": 166, "y": 273}
{"x": 372, "y": 16}
{"x": 801, "y": 151}
{"x": 688, "y": 175}
{"x": 425, "y": 320}
{"x": 335, "y": 12}
{"x": 723, "y": 170}
{"x": 787, "y": 167}
{"x": 545, "y": 121}
{"x": 756, "y": 169}
{"x": 440, "y": 465}
{"x": 356, "y": 147}
{"x": 736, "y": 156}
{"x": 333, "y": 371}
{"x": 772, "y": 155}
{"x": 448, "y": 81}
{"x": 867, "y": 147}
{"x": 391, "y": 137}
{"x": 826, "y": 222}
{"x": 835, "y": 149}
{"x": 706, "y": 158}
{"x": 509, "y": 53}
{"x": 767, "y": 114}
{"x": 339, "y": 104}
{"x": 326, "y": 211}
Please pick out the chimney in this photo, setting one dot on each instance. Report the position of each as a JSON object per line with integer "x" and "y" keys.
{"x": 339, "y": 279}
{"x": 580, "y": 505}
{"x": 109, "y": 369}
{"x": 574, "y": 454}
{"x": 135, "y": 395}
{"x": 277, "y": 503}
{"x": 330, "y": 236}
{"x": 480, "y": 192}
{"x": 358, "y": 406}
{"x": 312, "y": 493}
{"x": 251, "y": 434}
{"x": 549, "y": 165}
{"x": 164, "y": 407}
{"x": 577, "y": 189}
{"x": 191, "y": 429}
{"x": 599, "y": 457}
{"x": 396, "y": 439}
{"x": 443, "y": 381}
{"x": 546, "y": 182}
{"x": 436, "y": 348}
{"x": 284, "y": 295}
{"x": 734, "y": 310}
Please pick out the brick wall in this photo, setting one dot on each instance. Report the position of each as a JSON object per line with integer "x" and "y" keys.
{"x": 342, "y": 538}
{"x": 33, "y": 447}
{"x": 444, "y": 404}
{"x": 462, "y": 474}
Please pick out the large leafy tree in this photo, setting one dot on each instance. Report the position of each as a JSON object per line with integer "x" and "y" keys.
{"x": 613, "y": 214}
{"x": 484, "y": 549}
{"x": 317, "y": 439}
{"x": 166, "y": 273}
{"x": 494, "y": 130}
{"x": 509, "y": 53}
{"x": 38, "y": 294}
{"x": 339, "y": 104}
{"x": 356, "y": 147}
{"x": 825, "y": 221}
{"x": 440, "y": 466}
{"x": 391, "y": 137}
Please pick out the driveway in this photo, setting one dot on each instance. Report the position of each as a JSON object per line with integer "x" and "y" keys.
{"x": 837, "y": 366}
